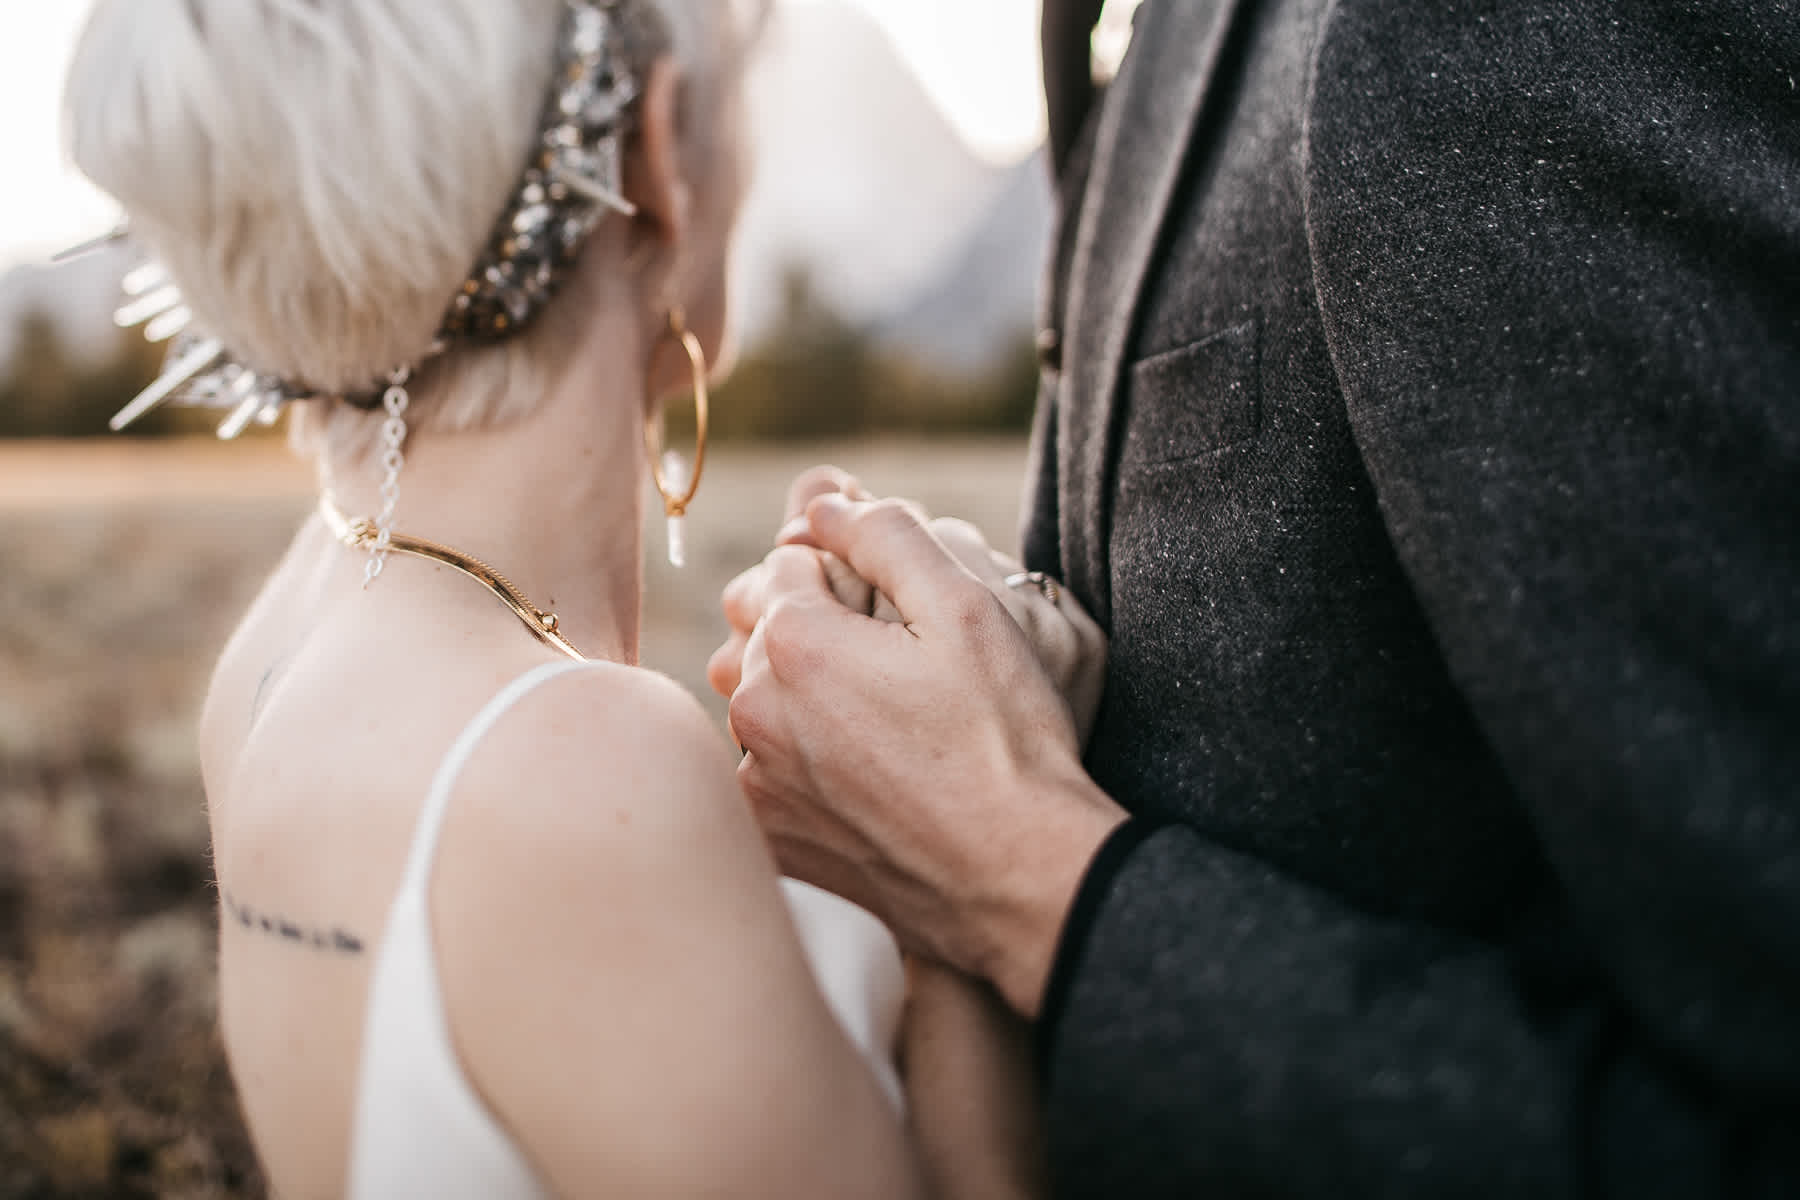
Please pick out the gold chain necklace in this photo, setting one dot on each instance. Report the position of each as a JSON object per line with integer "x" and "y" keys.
{"x": 361, "y": 534}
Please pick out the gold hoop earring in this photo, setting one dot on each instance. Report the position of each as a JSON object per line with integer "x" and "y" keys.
{"x": 674, "y": 481}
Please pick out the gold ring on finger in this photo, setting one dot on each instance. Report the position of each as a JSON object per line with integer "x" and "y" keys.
{"x": 1046, "y": 586}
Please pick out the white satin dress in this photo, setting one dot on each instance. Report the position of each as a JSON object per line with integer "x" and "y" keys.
{"x": 420, "y": 1128}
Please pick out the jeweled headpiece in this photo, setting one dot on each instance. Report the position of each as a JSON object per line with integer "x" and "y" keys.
{"x": 573, "y": 178}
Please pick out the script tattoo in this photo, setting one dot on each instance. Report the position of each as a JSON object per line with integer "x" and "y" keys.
{"x": 334, "y": 941}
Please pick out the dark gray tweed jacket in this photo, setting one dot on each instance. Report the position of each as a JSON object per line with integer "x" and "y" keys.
{"x": 1426, "y": 433}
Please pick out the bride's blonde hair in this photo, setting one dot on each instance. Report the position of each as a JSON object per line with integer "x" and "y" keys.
{"x": 319, "y": 176}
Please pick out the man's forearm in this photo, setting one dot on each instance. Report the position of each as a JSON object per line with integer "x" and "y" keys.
{"x": 1019, "y": 927}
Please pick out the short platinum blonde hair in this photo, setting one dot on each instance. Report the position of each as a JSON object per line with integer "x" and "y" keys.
{"x": 320, "y": 176}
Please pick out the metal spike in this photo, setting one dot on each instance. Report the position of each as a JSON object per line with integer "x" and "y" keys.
{"x": 145, "y": 308}
{"x": 169, "y": 324}
{"x": 171, "y": 380}
{"x": 251, "y": 402}
{"x": 599, "y": 194}
{"x": 141, "y": 279}
{"x": 118, "y": 233}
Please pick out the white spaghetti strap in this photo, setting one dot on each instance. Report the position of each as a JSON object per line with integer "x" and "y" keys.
{"x": 437, "y": 801}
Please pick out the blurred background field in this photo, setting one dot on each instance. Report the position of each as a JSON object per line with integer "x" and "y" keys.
{"x": 122, "y": 568}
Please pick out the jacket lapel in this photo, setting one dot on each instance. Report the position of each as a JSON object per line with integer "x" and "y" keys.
{"x": 1146, "y": 125}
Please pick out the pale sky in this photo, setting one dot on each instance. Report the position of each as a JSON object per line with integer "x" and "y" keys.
{"x": 977, "y": 58}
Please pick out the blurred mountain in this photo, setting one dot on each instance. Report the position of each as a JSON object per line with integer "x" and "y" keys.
{"x": 859, "y": 181}
{"x": 985, "y": 298}
{"x": 865, "y": 185}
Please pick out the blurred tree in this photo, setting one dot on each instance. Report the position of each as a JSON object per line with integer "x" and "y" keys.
{"x": 814, "y": 375}
{"x": 51, "y": 390}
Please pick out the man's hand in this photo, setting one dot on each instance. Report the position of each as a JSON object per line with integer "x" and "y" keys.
{"x": 926, "y": 769}
{"x": 1066, "y": 641}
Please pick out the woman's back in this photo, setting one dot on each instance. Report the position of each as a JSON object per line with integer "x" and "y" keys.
{"x": 319, "y": 745}
{"x": 601, "y": 918}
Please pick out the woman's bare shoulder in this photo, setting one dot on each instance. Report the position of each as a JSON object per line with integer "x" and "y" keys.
{"x": 595, "y": 744}
{"x": 619, "y": 968}
{"x": 601, "y": 788}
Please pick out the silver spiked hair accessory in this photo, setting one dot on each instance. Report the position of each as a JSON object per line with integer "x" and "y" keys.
{"x": 572, "y": 180}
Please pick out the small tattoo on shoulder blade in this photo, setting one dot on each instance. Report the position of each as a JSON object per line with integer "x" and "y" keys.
{"x": 333, "y": 940}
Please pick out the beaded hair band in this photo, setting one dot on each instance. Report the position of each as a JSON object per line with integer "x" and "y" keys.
{"x": 574, "y": 177}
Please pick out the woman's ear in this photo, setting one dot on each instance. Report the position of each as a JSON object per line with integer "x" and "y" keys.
{"x": 654, "y": 177}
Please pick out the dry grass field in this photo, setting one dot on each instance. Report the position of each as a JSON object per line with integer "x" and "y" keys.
{"x": 122, "y": 568}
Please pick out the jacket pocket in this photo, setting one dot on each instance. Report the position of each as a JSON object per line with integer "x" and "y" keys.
{"x": 1194, "y": 399}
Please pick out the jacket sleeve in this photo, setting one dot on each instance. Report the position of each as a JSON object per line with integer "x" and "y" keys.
{"x": 1557, "y": 250}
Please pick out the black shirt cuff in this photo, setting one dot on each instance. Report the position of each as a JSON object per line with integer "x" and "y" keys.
{"x": 1119, "y": 846}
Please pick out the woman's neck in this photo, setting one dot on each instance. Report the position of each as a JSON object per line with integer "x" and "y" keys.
{"x": 554, "y": 501}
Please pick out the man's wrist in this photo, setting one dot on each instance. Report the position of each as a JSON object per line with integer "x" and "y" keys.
{"x": 1025, "y": 929}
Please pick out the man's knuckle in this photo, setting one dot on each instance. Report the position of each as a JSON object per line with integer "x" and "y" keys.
{"x": 740, "y": 599}
{"x": 1013, "y": 605}
{"x": 891, "y": 515}
{"x": 822, "y": 477}
{"x": 973, "y": 610}
{"x": 1093, "y": 639}
{"x": 955, "y": 529}
{"x": 749, "y": 717}
{"x": 789, "y": 641}
{"x": 784, "y": 561}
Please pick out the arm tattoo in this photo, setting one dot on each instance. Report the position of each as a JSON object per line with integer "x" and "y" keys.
{"x": 334, "y": 940}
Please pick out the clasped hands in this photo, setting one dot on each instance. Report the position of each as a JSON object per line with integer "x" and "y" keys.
{"x": 912, "y": 729}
